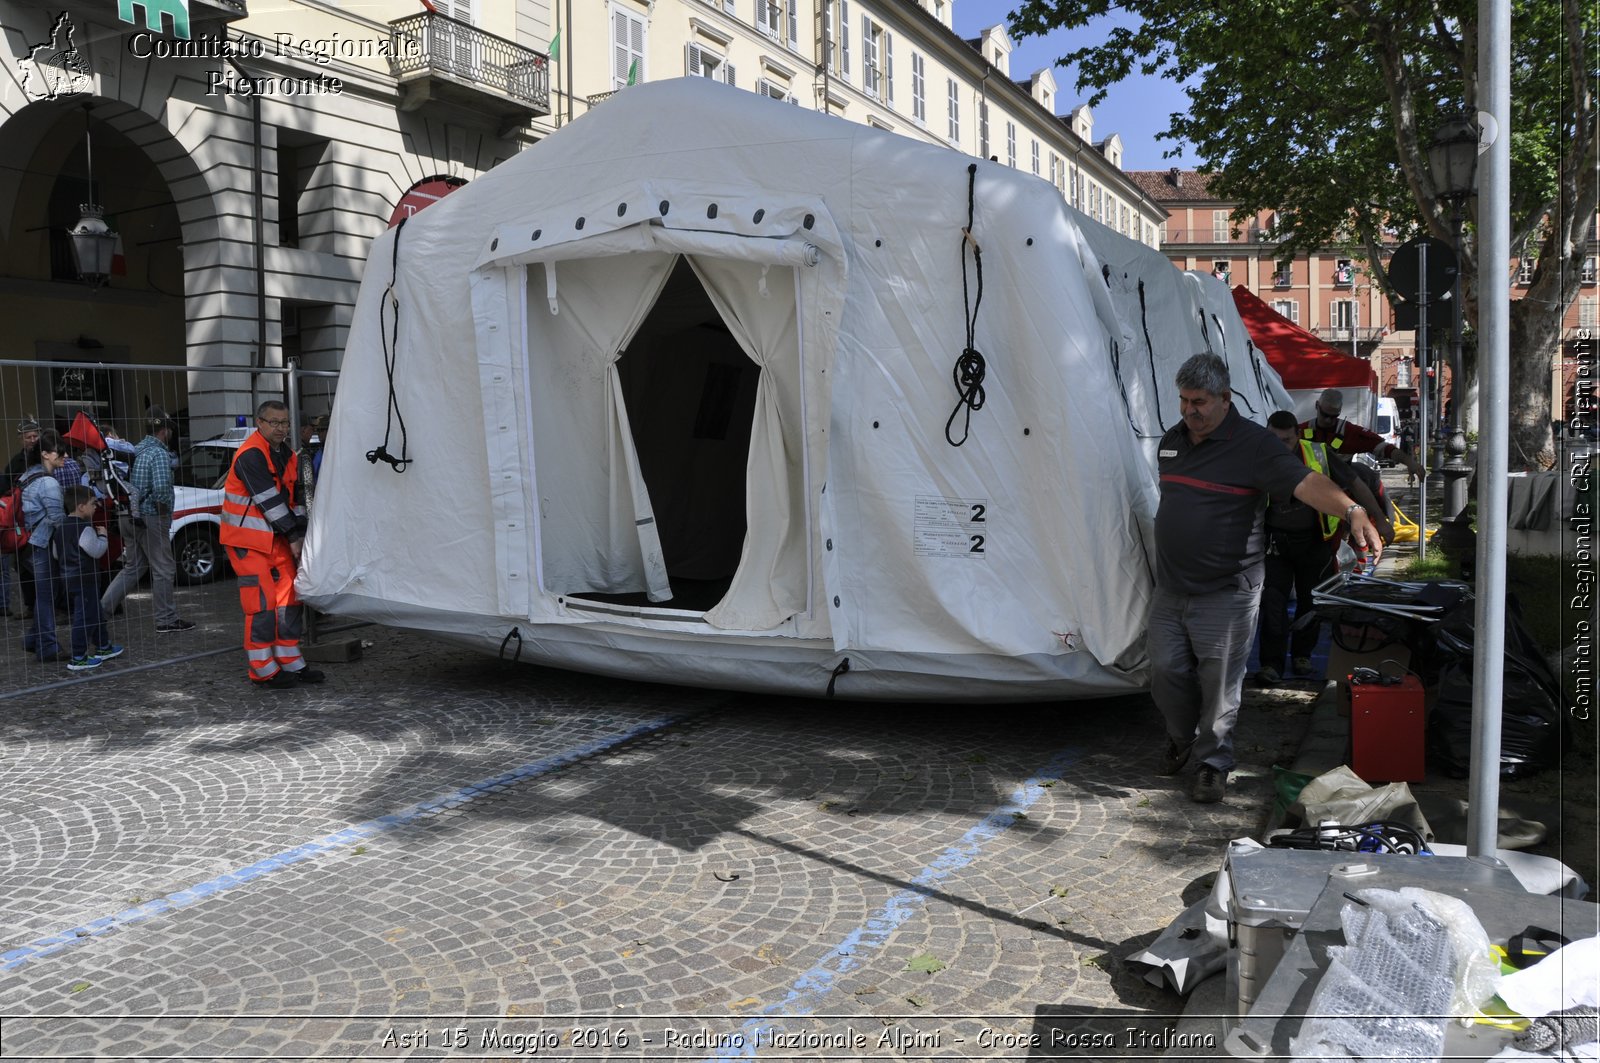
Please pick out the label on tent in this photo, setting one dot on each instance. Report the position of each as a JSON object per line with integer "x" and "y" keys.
{"x": 951, "y": 527}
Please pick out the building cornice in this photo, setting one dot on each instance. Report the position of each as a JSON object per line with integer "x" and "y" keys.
{"x": 955, "y": 53}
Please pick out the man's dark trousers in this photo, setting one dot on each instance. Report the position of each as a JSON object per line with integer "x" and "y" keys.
{"x": 1296, "y": 561}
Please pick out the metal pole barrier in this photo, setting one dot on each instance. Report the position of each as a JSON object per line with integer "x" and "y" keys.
{"x": 291, "y": 395}
{"x": 1494, "y": 319}
{"x": 1455, "y": 466}
{"x": 1424, "y": 359}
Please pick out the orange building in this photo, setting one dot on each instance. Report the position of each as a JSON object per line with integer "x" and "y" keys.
{"x": 1332, "y": 294}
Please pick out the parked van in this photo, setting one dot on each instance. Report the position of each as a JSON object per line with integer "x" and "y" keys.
{"x": 1386, "y": 422}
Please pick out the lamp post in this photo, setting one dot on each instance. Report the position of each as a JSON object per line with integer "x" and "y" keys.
{"x": 93, "y": 242}
{"x": 1453, "y": 159}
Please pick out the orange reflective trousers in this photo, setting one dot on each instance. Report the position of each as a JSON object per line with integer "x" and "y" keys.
{"x": 271, "y": 609}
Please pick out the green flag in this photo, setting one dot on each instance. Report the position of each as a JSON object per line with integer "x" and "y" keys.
{"x": 633, "y": 72}
{"x": 555, "y": 46}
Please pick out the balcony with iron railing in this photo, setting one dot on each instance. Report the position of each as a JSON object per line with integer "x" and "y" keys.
{"x": 436, "y": 57}
{"x": 220, "y": 10}
{"x": 1336, "y": 334}
{"x": 1209, "y": 234}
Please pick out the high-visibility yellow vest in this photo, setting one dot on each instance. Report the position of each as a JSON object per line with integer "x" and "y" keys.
{"x": 1315, "y": 458}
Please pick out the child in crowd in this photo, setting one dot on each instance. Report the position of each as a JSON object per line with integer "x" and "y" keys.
{"x": 81, "y": 546}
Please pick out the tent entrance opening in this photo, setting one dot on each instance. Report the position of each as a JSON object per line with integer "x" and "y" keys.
{"x": 690, "y": 395}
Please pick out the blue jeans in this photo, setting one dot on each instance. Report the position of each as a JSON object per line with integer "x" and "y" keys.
{"x": 5, "y": 583}
{"x": 1199, "y": 645}
{"x": 88, "y": 625}
{"x": 40, "y": 635}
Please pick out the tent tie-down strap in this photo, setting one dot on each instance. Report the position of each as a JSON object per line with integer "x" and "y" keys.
{"x": 1254, "y": 354}
{"x": 391, "y": 350}
{"x": 969, "y": 369}
{"x": 1122, "y": 389}
{"x": 843, "y": 667}
{"x": 1222, "y": 333}
{"x": 1155, "y": 385}
{"x": 514, "y": 633}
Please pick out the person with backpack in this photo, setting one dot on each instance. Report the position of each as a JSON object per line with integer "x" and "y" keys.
{"x": 28, "y": 436}
{"x": 42, "y": 514}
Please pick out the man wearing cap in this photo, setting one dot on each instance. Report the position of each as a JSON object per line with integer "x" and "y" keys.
{"x": 1344, "y": 438}
{"x": 28, "y": 437}
{"x": 147, "y": 528}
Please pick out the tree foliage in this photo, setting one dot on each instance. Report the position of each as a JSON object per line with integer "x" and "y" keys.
{"x": 1323, "y": 110}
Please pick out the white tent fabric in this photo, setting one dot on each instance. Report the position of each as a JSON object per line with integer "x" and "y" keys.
{"x": 770, "y": 583}
{"x": 677, "y": 386}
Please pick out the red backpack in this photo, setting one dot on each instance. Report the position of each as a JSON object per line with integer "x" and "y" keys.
{"x": 13, "y": 533}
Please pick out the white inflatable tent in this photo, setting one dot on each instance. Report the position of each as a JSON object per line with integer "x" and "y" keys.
{"x": 677, "y": 391}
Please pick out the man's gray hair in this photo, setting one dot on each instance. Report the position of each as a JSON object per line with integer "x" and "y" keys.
{"x": 1204, "y": 372}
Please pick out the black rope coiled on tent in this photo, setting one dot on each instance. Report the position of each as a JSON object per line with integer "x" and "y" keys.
{"x": 391, "y": 351}
{"x": 1155, "y": 384}
{"x": 970, "y": 368}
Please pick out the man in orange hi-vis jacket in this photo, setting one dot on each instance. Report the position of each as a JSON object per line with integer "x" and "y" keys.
{"x": 263, "y": 527}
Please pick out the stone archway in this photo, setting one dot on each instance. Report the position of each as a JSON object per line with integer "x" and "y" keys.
{"x": 169, "y": 273}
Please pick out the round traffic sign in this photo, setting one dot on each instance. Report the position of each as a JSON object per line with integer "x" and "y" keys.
{"x": 1406, "y": 270}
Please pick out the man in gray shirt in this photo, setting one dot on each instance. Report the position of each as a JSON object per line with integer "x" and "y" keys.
{"x": 1217, "y": 471}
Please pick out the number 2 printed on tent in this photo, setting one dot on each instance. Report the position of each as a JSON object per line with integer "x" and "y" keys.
{"x": 951, "y": 527}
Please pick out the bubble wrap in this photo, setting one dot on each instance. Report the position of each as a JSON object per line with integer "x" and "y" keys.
{"x": 1386, "y": 992}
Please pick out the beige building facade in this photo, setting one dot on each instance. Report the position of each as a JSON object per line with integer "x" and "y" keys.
{"x": 246, "y": 154}
{"x": 245, "y": 169}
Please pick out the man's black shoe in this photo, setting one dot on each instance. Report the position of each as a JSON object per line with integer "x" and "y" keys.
{"x": 1174, "y": 758}
{"x": 280, "y": 681}
{"x": 309, "y": 675}
{"x": 1210, "y": 785}
{"x": 176, "y": 625}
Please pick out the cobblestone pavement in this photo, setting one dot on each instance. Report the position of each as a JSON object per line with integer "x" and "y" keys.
{"x": 436, "y": 854}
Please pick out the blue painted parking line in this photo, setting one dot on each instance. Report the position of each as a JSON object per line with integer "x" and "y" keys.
{"x": 806, "y": 995}
{"x": 186, "y": 898}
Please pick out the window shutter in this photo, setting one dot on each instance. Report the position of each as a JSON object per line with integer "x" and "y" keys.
{"x": 619, "y": 48}
{"x": 869, "y": 58}
{"x": 692, "y": 63}
{"x": 727, "y": 70}
{"x": 888, "y": 68}
{"x": 794, "y": 22}
{"x": 844, "y": 38}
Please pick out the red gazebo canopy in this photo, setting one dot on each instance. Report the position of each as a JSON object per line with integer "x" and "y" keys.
{"x": 1304, "y": 362}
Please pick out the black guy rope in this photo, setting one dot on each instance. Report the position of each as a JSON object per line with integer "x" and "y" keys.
{"x": 1155, "y": 383}
{"x": 1122, "y": 389}
{"x": 1222, "y": 334}
{"x": 841, "y": 669}
{"x": 391, "y": 351}
{"x": 969, "y": 370}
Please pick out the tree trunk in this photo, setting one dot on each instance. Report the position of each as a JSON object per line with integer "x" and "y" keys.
{"x": 1535, "y": 342}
